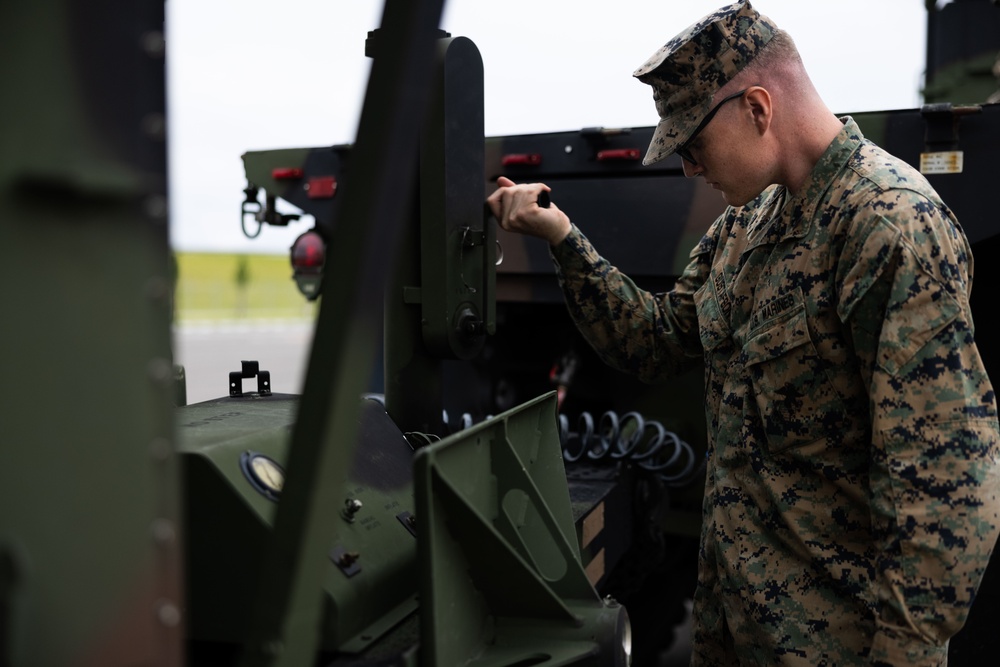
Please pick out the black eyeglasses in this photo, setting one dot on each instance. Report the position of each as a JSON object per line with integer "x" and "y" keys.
{"x": 683, "y": 149}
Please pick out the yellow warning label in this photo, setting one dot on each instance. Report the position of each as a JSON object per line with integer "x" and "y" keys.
{"x": 944, "y": 162}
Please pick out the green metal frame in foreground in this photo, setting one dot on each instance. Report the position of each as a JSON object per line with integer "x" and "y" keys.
{"x": 90, "y": 559}
{"x": 288, "y": 608}
{"x": 501, "y": 579}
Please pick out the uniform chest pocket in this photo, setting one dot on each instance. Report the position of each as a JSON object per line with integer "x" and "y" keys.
{"x": 712, "y": 327}
{"x": 794, "y": 397}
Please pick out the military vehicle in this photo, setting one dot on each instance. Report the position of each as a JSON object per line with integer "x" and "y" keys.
{"x": 499, "y": 498}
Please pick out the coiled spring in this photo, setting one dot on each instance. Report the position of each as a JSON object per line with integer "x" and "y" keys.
{"x": 642, "y": 442}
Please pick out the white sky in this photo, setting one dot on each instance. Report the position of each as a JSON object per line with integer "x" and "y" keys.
{"x": 259, "y": 74}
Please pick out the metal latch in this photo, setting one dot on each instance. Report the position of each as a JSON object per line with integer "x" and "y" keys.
{"x": 943, "y": 121}
{"x": 250, "y": 369}
{"x": 941, "y": 154}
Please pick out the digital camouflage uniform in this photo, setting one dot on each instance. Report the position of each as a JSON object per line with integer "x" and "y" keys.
{"x": 852, "y": 488}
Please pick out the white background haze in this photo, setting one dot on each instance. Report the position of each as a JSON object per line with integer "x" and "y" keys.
{"x": 259, "y": 74}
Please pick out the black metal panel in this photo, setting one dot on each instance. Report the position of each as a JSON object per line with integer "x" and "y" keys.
{"x": 590, "y": 151}
{"x": 977, "y": 135}
{"x": 644, "y": 220}
{"x": 637, "y": 223}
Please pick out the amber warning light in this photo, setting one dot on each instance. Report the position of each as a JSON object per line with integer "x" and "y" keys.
{"x": 308, "y": 257}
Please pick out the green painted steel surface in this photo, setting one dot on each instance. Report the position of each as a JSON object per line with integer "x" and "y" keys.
{"x": 89, "y": 533}
{"x": 501, "y": 578}
{"x": 230, "y": 522}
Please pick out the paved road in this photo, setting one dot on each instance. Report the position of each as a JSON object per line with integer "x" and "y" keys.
{"x": 209, "y": 352}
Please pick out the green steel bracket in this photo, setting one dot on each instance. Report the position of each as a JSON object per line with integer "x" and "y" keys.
{"x": 457, "y": 242}
{"x": 501, "y": 578}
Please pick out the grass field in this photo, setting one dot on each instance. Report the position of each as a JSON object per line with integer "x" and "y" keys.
{"x": 214, "y": 287}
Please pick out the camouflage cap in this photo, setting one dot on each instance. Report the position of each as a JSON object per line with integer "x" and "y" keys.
{"x": 688, "y": 70}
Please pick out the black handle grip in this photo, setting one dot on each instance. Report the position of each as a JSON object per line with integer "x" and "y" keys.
{"x": 543, "y": 199}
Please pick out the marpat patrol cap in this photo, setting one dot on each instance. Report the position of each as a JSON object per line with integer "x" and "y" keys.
{"x": 687, "y": 71}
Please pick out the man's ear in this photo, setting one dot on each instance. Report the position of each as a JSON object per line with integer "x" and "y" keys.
{"x": 760, "y": 107}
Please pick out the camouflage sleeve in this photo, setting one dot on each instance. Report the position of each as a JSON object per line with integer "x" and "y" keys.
{"x": 934, "y": 479}
{"x": 649, "y": 335}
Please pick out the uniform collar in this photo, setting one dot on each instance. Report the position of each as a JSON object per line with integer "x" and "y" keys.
{"x": 781, "y": 217}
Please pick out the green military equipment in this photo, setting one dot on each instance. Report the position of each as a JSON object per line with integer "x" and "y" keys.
{"x": 236, "y": 453}
{"x": 502, "y": 581}
{"x": 90, "y": 534}
{"x": 241, "y": 453}
{"x": 474, "y": 516}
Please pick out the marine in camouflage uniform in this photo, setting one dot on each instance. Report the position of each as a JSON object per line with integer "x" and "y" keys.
{"x": 851, "y": 501}
{"x": 851, "y": 492}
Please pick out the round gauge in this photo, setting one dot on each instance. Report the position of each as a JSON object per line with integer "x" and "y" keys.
{"x": 263, "y": 473}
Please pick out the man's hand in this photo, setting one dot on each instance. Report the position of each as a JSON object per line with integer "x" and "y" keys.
{"x": 516, "y": 209}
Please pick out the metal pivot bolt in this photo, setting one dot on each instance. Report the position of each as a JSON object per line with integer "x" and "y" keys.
{"x": 409, "y": 522}
{"x": 351, "y": 507}
{"x": 474, "y": 327}
{"x": 469, "y": 324}
{"x": 348, "y": 558}
{"x": 346, "y": 561}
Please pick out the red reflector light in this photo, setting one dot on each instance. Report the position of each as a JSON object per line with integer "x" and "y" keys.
{"x": 521, "y": 159}
{"x": 321, "y": 187}
{"x": 286, "y": 173}
{"x": 308, "y": 252}
{"x": 618, "y": 154}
